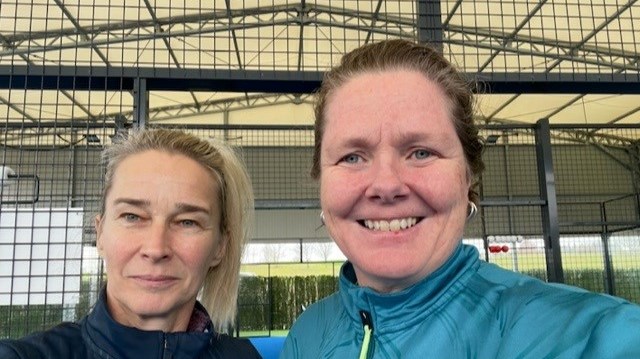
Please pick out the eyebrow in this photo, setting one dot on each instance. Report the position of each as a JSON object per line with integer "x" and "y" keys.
{"x": 355, "y": 142}
{"x": 403, "y": 137}
{"x": 429, "y": 136}
{"x": 415, "y": 136}
{"x": 180, "y": 207}
{"x": 132, "y": 202}
{"x": 190, "y": 208}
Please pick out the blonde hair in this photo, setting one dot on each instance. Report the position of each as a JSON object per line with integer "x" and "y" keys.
{"x": 220, "y": 287}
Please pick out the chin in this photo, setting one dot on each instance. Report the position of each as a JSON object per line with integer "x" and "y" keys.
{"x": 389, "y": 273}
{"x": 151, "y": 309}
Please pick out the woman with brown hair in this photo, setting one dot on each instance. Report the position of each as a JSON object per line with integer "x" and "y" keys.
{"x": 398, "y": 158}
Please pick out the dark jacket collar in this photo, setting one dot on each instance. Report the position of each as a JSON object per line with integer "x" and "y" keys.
{"x": 117, "y": 340}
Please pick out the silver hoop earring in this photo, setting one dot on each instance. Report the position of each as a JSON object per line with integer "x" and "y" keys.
{"x": 473, "y": 209}
{"x": 322, "y": 217}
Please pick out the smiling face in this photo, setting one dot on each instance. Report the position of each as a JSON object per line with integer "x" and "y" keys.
{"x": 159, "y": 235}
{"x": 393, "y": 179}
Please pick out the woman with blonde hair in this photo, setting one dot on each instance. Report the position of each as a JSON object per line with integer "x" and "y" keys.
{"x": 175, "y": 216}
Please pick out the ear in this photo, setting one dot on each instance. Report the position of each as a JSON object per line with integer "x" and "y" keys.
{"x": 97, "y": 224}
{"x": 220, "y": 250}
{"x": 469, "y": 176}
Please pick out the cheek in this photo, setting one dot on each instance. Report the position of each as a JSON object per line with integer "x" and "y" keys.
{"x": 444, "y": 189}
{"x": 115, "y": 254}
{"x": 339, "y": 192}
{"x": 199, "y": 255}
{"x": 118, "y": 246}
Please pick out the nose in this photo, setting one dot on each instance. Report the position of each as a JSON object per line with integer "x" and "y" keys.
{"x": 387, "y": 182}
{"x": 157, "y": 244}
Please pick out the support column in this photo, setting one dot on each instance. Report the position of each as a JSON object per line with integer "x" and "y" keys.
{"x": 140, "y": 103}
{"x": 609, "y": 280}
{"x": 430, "y": 23}
{"x": 549, "y": 208}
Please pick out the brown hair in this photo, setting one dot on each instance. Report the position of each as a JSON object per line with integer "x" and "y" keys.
{"x": 220, "y": 287}
{"x": 403, "y": 54}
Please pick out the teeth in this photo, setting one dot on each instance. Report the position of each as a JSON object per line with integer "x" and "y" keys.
{"x": 394, "y": 225}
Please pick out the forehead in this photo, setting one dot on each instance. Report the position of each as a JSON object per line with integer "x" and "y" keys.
{"x": 157, "y": 159}
{"x": 163, "y": 172}
{"x": 389, "y": 99}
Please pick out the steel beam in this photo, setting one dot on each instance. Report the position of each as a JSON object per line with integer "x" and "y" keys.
{"x": 140, "y": 103}
{"x": 429, "y": 23}
{"x": 121, "y": 78}
{"x": 547, "y": 184}
{"x": 207, "y": 22}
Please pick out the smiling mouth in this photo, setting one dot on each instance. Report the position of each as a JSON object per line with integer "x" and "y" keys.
{"x": 393, "y": 225}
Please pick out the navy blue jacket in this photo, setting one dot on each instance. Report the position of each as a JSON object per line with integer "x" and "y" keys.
{"x": 97, "y": 335}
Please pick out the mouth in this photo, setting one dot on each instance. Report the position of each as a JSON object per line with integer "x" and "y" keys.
{"x": 155, "y": 281}
{"x": 155, "y": 278}
{"x": 391, "y": 225}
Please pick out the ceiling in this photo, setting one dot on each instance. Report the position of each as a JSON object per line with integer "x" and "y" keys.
{"x": 538, "y": 43}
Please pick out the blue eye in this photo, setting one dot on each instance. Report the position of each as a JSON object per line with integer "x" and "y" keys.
{"x": 130, "y": 217}
{"x": 187, "y": 223}
{"x": 351, "y": 158}
{"x": 421, "y": 154}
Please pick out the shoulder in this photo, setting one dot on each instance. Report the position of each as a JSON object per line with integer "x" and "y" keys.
{"x": 615, "y": 334}
{"x": 546, "y": 318}
{"x": 61, "y": 341}
{"x": 319, "y": 323}
{"x": 519, "y": 289}
{"x": 574, "y": 323}
{"x": 229, "y": 347}
{"x": 319, "y": 314}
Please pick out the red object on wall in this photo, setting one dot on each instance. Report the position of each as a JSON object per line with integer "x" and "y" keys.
{"x": 498, "y": 249}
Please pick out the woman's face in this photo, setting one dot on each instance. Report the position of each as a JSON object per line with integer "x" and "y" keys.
{"x": 393, "y": 183}
{"x": 159, "y": 235}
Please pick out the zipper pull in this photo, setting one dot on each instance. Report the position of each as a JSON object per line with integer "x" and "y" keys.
{"x": 367, "y": 326}
{"x": 165, "y": 351}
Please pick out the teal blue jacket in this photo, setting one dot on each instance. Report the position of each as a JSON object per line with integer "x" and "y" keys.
{"x": 467, "y": 309}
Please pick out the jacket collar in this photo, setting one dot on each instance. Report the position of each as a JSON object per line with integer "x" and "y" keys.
{"x": 117, "y": 340}
{"x": 391, "y": 312}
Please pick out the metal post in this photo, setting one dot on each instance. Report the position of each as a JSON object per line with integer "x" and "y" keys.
{"x": 547, "y": 184}
{"x": 73, "y": 172}
{"x": 514, "y": 257}
{"x": 430, "y": 23}
{"x": 271, "y": 304}
{"x": 609, "y": 281}
{"x": 225, "y": 120}
{"x": 634, "y": 154}
{"x": 140, "y": 103}
{"x": 301, "y": 250}
{"x": 507, "y": 171}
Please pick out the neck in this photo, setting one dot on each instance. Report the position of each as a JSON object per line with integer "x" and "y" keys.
{"x": 176, "y": 321}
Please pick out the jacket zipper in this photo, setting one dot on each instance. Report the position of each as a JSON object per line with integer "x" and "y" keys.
{"x": 165, "y": 352}
{"x": 367, "y": 341}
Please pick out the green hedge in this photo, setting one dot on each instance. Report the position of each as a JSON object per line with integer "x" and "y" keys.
{"x": 19, "y": 320}
{"x": 626, "y": 285}
{"x": 274, "y": 303}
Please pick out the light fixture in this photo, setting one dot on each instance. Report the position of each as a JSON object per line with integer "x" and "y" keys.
{"x": 492, "y": 139}
{"x": 6, "y": 173}
{"x": 92, "y": 138}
